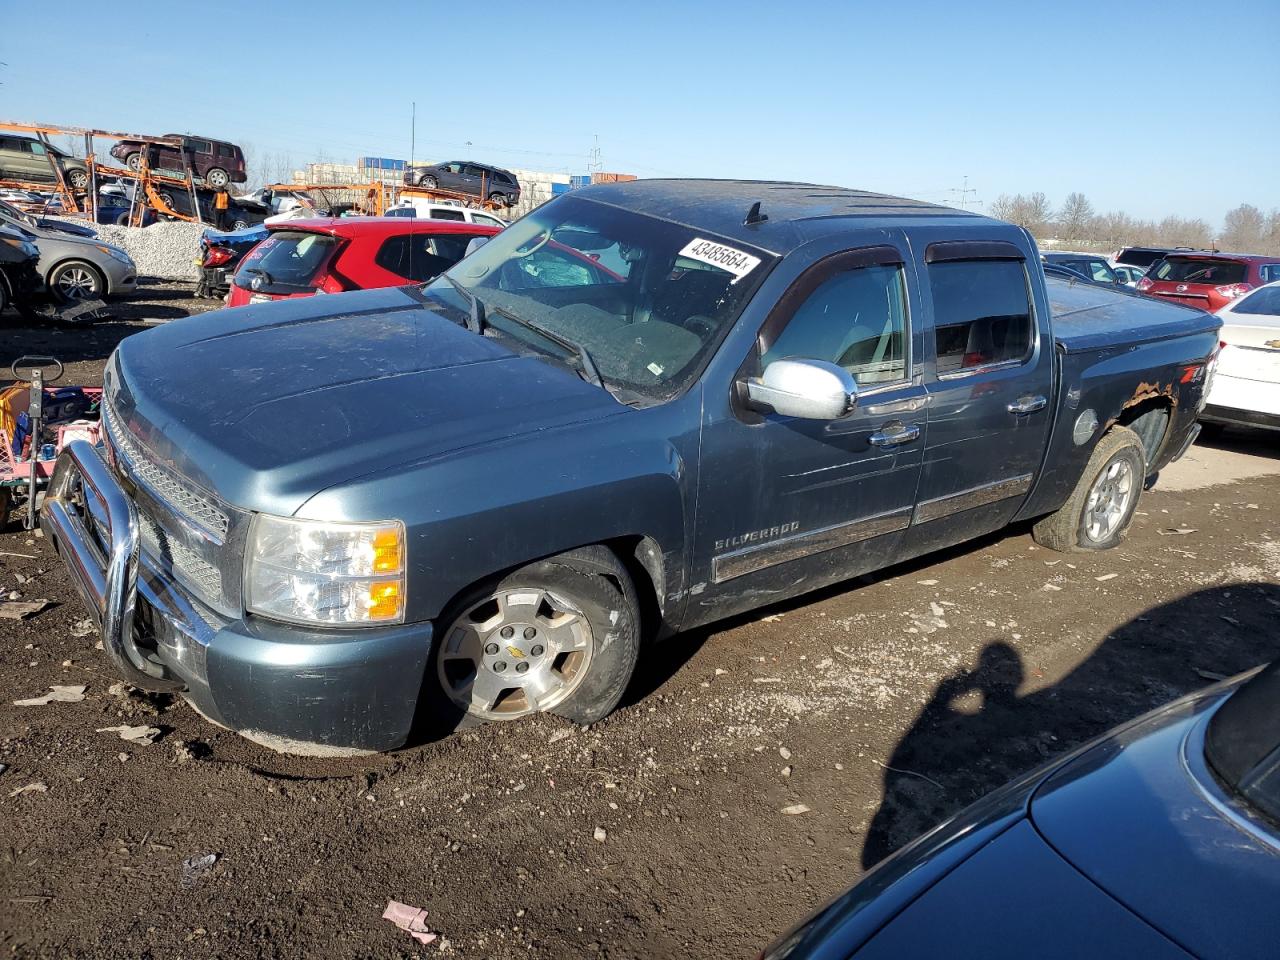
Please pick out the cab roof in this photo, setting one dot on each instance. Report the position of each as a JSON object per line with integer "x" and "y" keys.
{"x": 722, "y": 206}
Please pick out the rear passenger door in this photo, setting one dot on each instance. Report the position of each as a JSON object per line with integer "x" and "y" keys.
{"x": 989, "y": 380}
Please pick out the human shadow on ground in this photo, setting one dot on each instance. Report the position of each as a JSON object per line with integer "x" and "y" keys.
{"x": 980, "y": 730}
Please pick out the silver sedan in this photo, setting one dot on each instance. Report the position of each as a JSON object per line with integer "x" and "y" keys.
{"x": 73, "y": 266}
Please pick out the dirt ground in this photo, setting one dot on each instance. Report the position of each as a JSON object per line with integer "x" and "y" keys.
{"x": 882, "y": 706}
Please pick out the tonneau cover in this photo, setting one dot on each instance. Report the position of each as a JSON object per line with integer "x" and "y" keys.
{"x": 1091, "y": 317}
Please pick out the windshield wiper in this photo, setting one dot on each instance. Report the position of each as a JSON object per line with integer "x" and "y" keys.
{"x": 258, "y": 270}
{"x": 476, "y": 321}
{"x": 590, "y": 372}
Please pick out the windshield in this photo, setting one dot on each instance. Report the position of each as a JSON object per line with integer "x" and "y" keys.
{"x": 648, "y": 299}
{"x": 1242, "y": 743}
{"x": 1200, "y": 270}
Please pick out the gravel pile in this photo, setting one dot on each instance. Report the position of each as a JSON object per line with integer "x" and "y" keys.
{"x": 163, "y": 250}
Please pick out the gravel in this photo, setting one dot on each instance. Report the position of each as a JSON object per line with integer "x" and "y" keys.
{"x": 162, "y": 250}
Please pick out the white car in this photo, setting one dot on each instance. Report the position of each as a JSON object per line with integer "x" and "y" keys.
{"x": 435, "y": 210}
{"x": 1246, "y": 384}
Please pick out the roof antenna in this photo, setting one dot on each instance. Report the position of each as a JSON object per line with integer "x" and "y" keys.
{"x": 754, "y": 215}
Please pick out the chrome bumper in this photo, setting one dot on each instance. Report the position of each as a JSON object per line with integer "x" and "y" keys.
{"x": 94, "y": 527}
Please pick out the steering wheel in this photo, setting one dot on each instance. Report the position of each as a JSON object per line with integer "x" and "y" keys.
{"x": 703, "y": 326}
{"x": 521, "y": 253}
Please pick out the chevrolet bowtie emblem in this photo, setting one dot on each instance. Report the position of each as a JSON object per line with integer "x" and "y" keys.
{"x": 516, "y": 652}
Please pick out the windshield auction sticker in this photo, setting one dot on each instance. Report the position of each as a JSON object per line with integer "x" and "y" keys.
{"x": 718, "y": 255}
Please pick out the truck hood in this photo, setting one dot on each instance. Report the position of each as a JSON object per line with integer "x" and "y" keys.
{"x": 267, "y": 405}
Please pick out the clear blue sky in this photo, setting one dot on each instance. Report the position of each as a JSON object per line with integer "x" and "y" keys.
{"x": 1154, "y": 108}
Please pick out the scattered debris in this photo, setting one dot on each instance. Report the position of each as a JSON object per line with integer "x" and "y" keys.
{"x": 1050, "y": 587}
{"x": 182, "y": 752}
{"x": 927, "y": 583}
{"x": 936, "y": 610}
{"x": 411, "y": 920}
{"x": 720, "y": 671}
{"x": 559, "y": 735}
{"x": 599, "y": 835}
{"x": 784, "y": 753}
{"x": 909, "y": 773}
{"x": 1231, "y": 620}
{"x": 786, "y": 771}
{"x": 1210, "y": 675}
{"x": 1106, "y": 576}
{"x": 193, "y": 868}
{"x": 32, "y": 556}
{"x": 38, "y": 787}
{"x": 141, "y": 734}
{"x": 766, "y": 680}
{"x": 120, "y": 689}
{"x": 794, "y": 810}
{"x": 771, "y": 618}
{"x": 21, "y": 610}
{"x": 57, "y": 694}
{"x": 82, "y": 628}
{"x": 1176, "y": 531}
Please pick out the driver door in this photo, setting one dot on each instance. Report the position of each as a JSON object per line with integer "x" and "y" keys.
{"x": 787, "y": 504}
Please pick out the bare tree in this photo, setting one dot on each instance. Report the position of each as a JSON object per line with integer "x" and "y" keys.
{"x": 1076, "y": 217}
{"x": 1031, "y": 210}
{"x": 1243, "y": 229}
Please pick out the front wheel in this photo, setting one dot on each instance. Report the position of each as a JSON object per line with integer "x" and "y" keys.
{"x": 560, "y": 635}
{"x": 1097, "y": 514}
{"x": 75, "y": 281}
{"x": 78, "y": 179}
{"x": 429, "y": 182}
{"x": 240, "y": 224}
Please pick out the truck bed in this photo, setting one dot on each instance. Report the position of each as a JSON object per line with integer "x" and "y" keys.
{"x": 1089, "y": 317}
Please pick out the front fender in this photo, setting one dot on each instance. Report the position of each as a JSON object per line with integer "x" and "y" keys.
{"x": 482, "y": 511}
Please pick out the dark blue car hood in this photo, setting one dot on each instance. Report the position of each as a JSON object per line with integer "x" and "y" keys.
{"x": 266, "y": 406}
{"x": 1143, "y": 818}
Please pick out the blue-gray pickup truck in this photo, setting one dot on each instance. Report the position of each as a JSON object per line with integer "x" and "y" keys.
{"x": 639, "y": 409}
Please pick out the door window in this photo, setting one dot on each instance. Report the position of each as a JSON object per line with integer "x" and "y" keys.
{"x": 981, "y": 314}
{"x": 856, "y": 319}
{"x": 36, "y": 147}
{"x": 473, "y": 171}
{"x": 421, "y": 256}
{"x": 453, "y": 167}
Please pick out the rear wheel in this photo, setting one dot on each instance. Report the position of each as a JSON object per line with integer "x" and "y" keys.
{"x": 133, "y": 161}
{"x": 500, "y": 199}
{"x": 76, "y": 280}
{"x": 428, "y": 181}
{"x": 240, "y": 224}
{"x": 560, "y": 635}
{"x": 1097, "y": 514}
{"x": 217, "y": 177}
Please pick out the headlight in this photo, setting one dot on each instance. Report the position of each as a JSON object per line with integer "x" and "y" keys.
{"x": 306, "y": 571}
{"x": 115, "y": 252}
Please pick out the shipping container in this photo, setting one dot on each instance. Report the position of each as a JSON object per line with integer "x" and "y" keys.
{"x": 580, "y": 180}
{"x": 612, "y": 177}
{"x": 559, "y": 188}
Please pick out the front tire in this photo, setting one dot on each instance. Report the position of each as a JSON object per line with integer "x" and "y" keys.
{"x": 1099, "y": 511}
{"x": 133, "y": 161}
{"x": 560, "y": 636}
{"x": 78, "y": 179}
{"x": 76, "y": 280}
{"x": 428, "y": 182}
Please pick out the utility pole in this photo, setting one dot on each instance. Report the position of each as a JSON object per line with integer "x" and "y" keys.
{"x": 963, "y": 191}
{"x": 594, "y": 165}
{"x": 413, "y": 128}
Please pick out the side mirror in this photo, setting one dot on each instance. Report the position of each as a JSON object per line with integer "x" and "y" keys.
{"x": 475, "y": 244}
{"x": 809, "y": 389}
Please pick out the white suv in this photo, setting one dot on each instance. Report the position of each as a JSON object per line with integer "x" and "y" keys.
{"x": 435, "y": 210}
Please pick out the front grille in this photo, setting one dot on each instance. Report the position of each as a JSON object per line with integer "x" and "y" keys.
{"x": 184, "y": 499}
{"x": 193, "y": 537}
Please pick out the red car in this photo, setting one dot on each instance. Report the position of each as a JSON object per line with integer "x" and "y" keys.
{"x": 302, "y": 257}
{"x": 1208, "y": 280}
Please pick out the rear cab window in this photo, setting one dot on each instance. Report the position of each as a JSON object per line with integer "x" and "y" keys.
{"x": 287, "y": 262}
{"x": 455, "y": 215}
{"x": 1200, "y": 270}
{"x": 982, "y": 314}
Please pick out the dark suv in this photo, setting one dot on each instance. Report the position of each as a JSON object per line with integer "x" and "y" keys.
{"x": 217, "y": 161}
{"x": 463, "y": 176}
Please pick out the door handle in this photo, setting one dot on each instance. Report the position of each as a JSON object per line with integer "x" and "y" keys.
{"x": 904, "y": 434}
{"x": 1027, "y": 404}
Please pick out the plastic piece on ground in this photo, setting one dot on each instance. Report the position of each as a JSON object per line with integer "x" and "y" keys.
{"x": 409, "y": 919}
{"x": 58, "y": 693}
